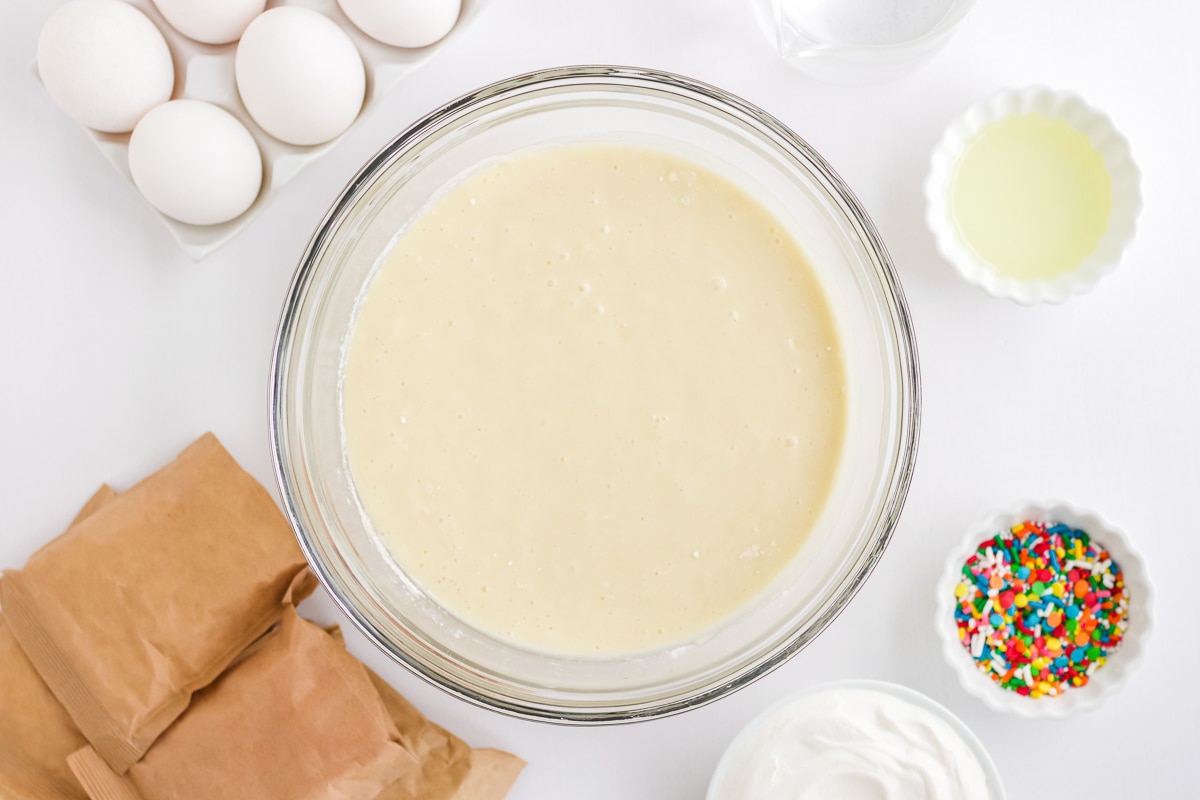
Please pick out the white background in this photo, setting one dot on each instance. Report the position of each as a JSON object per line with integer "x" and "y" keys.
{"x": 116, "y": 351}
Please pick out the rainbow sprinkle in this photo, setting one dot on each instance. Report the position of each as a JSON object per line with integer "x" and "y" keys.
{"x": 1040, "y": 608}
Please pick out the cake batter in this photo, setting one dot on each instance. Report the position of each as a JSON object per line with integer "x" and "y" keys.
{"x": 594, "y": 399}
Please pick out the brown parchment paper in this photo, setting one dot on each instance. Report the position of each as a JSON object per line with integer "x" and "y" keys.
{"x": 449, "y": 768}
{"x": 297, "y": 719}
{"x": 36, "y": 733}
{"x": 147, "y": 600}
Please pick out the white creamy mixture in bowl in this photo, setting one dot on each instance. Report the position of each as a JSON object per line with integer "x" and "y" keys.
{"x": 595, "y": 396}
{"x": 594, "y": 399}
{"x": 856, "y": 740}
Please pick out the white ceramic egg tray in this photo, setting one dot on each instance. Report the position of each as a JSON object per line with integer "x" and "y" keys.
{"x": 205, "y": 72}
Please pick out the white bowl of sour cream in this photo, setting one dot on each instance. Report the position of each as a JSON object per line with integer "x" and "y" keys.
{"x": 854, "y": 740}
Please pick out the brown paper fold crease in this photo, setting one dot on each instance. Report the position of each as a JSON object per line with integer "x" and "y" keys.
{"x": 449, "y": 768}
{"x": 36, "y": 733}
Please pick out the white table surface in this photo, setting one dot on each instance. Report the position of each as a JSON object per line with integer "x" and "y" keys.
{"x": 118, "y": 351}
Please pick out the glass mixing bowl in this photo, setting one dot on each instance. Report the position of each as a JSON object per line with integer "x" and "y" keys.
{"x": 539, "y": 110}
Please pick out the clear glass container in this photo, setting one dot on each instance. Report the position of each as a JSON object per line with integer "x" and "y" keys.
{"x": 859, "y": 41}
{"x": 539, "y": 110}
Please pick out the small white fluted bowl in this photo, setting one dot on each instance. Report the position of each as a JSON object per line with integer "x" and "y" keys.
{"x": 1106, "y": 680}
{"x": 1112, "y": 146}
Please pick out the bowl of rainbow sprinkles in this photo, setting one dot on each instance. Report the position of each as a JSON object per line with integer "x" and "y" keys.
{"x": 1044, "y": 610}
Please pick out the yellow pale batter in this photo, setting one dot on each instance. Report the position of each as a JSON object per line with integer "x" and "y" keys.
{"x": 594, "y": 400}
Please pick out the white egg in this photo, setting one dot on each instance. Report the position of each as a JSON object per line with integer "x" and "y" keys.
{"x": 195, "y": 162}
{"x": 299, "y": 75}
{"x": 104, "y": 63}
{"x": 210, "y": 21}
{"x": 403, "y": 23}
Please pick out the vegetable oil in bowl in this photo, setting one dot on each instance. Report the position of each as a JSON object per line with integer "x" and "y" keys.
{"x": 1031, "y": 197}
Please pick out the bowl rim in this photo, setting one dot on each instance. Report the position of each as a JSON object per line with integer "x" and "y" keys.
{"x": 896, "y": 314}
{"x": 1108, "y": 141}
{"x": 768, "y": 9}
{"x": 1077, "y": 700}
{"x": 896, "y": 690}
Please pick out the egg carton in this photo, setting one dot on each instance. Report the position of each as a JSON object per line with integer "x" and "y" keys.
{"x": 206, "y": 72}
